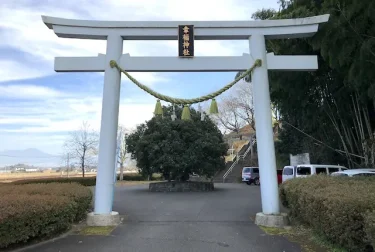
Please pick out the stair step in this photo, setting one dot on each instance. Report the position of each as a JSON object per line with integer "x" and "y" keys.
{"x": 236, "y": 173}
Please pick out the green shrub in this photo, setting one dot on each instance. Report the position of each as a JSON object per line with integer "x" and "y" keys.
{"x": 138, "y": 177}
{"x": 335, "y": 207}
{"x": 74, "y": 191}
{"x": 40, "y": 210}
{"x": 370, "y": 227}
{"x": 132, "y": 177}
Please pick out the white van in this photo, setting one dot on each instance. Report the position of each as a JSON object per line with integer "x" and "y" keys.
{"x": 355, "y": 173}
{"x": 305, "y": 170}
{"x": 289, "y": 172}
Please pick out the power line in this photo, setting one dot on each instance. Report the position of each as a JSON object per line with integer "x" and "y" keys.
{"x": 320, "y": 142}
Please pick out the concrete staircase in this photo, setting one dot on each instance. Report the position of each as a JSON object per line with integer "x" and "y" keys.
{"x": 218, "y": 178}
{"x": 235, "y": 175}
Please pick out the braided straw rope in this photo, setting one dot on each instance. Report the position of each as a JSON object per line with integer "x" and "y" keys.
{"x": 173, "y": 100}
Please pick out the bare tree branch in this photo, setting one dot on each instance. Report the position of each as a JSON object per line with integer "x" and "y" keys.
{"x": 83, "y": 145}
{"x": 236, "y": 108}
{"x": 122, "y": 152}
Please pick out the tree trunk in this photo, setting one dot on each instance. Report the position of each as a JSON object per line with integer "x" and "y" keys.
{"x": 83, "y": 166}
{"x": 373, "y": 152}
{"x": 334, "y": 122}
{"x": 83, "y": 162}
{"x": 252, "y": 148}
{"x": 121, "y": 172}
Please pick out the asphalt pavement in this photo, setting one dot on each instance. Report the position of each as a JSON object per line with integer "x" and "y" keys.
{"x": 221, "y": 220}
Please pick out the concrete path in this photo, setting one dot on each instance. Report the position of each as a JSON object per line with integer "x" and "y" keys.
{"x": 212, "y": 221}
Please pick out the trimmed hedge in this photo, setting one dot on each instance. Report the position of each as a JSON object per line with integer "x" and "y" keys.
{"x": 87, "y": 181}
{"x": 335, "y": 207}
{"x": 132, "y": 177}
{"x": 35, "y": 211}
{"x": 139, "y": 177}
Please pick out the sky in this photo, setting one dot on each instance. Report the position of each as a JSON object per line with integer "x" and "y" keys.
{"x": 39, "y": 107}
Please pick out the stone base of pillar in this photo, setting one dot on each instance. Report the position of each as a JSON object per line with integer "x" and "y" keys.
{"x": 269, "y": 220}
{"x": 102, "y": 220}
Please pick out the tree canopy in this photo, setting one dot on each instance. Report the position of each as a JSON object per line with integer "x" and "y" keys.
{"x": 178, "y": 148}
{"x": 329, "y": 113}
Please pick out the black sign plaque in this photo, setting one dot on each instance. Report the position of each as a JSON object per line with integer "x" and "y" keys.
{"x": 186, "y": 40}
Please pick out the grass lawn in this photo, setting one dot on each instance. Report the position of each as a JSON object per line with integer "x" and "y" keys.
{"x": 309, "y": 241}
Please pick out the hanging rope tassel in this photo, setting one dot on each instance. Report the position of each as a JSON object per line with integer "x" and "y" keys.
{"x": 213, "y": 108}
{"x": 186, "y": 113}
{"x": 158, "y": 109}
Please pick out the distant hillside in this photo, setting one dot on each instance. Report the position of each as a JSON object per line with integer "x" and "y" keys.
{"x": 245, "y": 132}
{"x": 30, "y": 156}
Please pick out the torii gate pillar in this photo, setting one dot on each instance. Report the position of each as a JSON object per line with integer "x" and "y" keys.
{"x": 117, "y": 31}
{"x": 263, "y": 125}
{"x": 108, "y": 128}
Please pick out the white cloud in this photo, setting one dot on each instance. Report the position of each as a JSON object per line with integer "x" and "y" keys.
{"x": 12, "y": 70}
{"x": 22, "y": 29}
{"x": 148, "y": 79}
{"x": 134, "y": 114}
{"x": 64, "y": 114}
{"x": 20, "y": 120}
{"x": 28, "y": 92}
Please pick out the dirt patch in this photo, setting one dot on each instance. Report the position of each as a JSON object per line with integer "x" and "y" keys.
{"x": 10, "y": 177}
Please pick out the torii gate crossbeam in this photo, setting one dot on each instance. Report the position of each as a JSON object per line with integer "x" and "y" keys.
{"x": 175, "y": 64}
{"x": 117, "y": 31}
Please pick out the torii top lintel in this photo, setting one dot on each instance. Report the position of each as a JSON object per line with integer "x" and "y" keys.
{"x": 166, "y": 30}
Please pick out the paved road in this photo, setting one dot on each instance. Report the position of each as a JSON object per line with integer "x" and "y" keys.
{"x": 209, "y": 221}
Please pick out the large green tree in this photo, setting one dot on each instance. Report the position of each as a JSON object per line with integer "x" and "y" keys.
{"x": 329, "y": 112}
{"x": 178, "y": 148}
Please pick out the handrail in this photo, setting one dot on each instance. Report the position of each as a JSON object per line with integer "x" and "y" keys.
{"x": 248, "y": 149}
{"x": 230, "y": 169}
{"x": 237, "y": 159}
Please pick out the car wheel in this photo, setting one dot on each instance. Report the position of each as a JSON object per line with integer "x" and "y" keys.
{"x": 248, "y": 182}
{"x": 257, "y": 182}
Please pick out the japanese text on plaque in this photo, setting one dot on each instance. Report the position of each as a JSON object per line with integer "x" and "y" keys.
{"x": 186, "y": 40}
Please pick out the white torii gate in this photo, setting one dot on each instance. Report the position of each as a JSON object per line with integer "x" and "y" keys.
{"x": 117, "y": 31}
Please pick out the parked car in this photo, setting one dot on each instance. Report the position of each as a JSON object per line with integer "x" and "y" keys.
{"x": 305, "y": 170}
{"x": 355, "y": 173}
{"x": 279, "y": 176}
{"x": 250, "y": 175}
